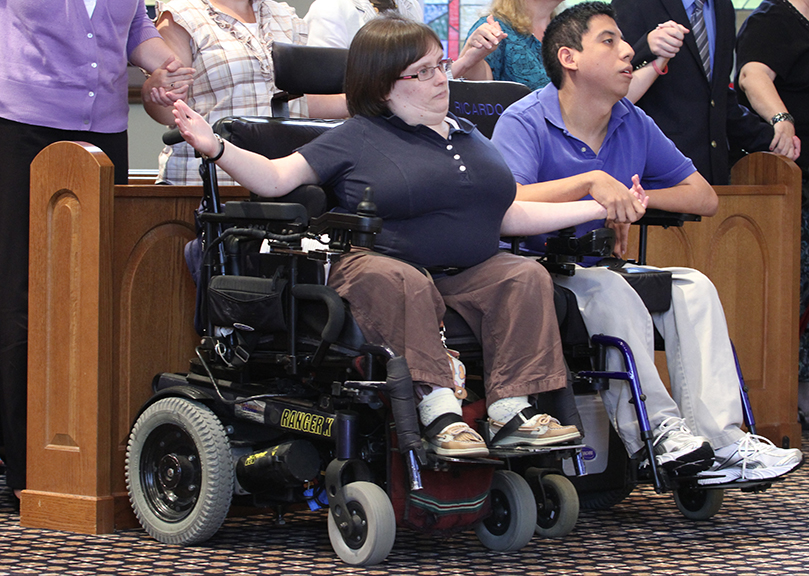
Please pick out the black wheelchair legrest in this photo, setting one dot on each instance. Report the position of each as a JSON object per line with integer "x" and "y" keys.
{"x": 286, "y": 404}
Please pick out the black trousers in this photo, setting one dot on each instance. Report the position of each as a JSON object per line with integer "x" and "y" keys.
{"x": 19, "y": 145}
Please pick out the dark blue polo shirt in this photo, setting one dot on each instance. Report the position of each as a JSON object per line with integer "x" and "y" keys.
{"x": 442, "y": 200}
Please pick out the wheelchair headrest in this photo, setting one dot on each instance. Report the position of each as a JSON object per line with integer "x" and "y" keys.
{"x": 482, "y": 102}
{"x": 271, "y": 137}
{"x": 309, "y": 69}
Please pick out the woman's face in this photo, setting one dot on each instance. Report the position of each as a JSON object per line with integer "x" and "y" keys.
{"x": 418, "y": 102}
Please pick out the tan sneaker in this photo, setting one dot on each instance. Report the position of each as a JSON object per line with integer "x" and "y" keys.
{"x": 537, "y": 430}
{"x": 459, "y": 440}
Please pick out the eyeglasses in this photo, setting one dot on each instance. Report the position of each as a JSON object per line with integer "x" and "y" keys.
{"x": 428, "y": 72}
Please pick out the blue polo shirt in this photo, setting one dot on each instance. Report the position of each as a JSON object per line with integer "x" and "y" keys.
{"x": 537, "y": 147}
{"x": 442, "y": 201}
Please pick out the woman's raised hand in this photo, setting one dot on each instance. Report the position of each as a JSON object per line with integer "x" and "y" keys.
{"x": 195, "y": 130}
{"x": 487, "y": 36}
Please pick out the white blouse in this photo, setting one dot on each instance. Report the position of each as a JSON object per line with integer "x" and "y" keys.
{"x": 334, "y": 22}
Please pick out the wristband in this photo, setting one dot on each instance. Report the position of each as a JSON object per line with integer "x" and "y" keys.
{"x": 221, "y": 150}
{"x": 660, "y": 72}
{"x": 780, "y": 117}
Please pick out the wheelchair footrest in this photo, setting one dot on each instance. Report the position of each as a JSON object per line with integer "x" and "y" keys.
{"x": 520, "y": 451}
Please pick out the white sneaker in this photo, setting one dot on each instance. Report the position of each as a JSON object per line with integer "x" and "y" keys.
{"x": 751, "y": 458}
{"x": 678, "y": 451}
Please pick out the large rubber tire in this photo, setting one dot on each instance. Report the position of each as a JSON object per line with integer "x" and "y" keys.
{"x": 179, "y": 471}
{"x": 604, "y": 500}
{"x": 696, "y": 504}
{"x": 371, "y": 509}
{"x": 558, "y": 514}
{"x": 514, "y": 513}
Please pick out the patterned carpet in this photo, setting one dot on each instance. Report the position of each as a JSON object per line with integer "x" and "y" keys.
{"x": 753, "y": 534}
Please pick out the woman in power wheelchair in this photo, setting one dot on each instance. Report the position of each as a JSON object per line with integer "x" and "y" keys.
{"x": 445, "y": 197}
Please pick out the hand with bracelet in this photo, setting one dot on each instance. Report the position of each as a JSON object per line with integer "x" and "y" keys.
{"x": 757, "y": 81}
{"x": 785, "y": 141}
{"x": 667, "y": 39}
{"x": 664, "y": 42}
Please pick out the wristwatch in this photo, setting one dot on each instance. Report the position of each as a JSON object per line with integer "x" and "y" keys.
{"x": 781, "y": 116}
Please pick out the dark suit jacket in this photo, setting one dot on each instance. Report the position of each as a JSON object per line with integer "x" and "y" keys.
{"x": 702, "y": 118}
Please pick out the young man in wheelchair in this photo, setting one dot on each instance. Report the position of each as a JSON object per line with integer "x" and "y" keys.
{"x": 580, "y": 138}
{"x": 445, "y": 197}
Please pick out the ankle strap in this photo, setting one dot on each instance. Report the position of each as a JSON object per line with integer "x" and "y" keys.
{"x": 513, "y": 425}
{"x": 440, "y": 423}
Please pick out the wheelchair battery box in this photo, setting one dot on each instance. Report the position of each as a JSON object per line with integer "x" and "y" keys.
{"x": 653, "y": 286}
{"x": 247, "y": 303}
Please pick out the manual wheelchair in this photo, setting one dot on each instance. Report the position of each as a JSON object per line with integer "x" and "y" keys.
{"x": 286, "y": 405}
{"x": 611, "y": 474}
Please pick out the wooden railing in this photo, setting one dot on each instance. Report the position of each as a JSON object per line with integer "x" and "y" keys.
{"x": 111, "y": 305}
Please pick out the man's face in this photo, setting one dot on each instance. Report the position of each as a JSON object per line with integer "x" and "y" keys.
{"x": 605, "y": 59}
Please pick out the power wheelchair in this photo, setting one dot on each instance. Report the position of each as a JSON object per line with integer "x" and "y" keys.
{"x": 286, "y": 405}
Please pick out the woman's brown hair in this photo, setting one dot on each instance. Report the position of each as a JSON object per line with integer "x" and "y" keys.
{"x": 379, "y": 53}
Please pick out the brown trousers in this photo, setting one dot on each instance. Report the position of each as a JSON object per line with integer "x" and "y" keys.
{"x": 506, "y": 300}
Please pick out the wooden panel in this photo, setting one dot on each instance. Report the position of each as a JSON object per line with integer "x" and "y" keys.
{"x": 750, "y": 250}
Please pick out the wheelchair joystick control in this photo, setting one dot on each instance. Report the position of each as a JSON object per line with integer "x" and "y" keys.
{"x": 366, "y": 207}
{"x": 366, "y": 211}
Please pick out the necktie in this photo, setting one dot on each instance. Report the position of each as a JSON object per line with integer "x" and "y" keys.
{"x": 701, "y": 36}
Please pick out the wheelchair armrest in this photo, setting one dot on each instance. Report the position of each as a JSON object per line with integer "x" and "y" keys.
{"x": 654, "y": 217}
{"x": 284, "y": 211}
{"x": 561, "y": 252}
{"x": 258, "y": 212}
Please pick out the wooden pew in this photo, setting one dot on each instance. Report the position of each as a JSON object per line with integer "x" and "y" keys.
{"x": 111, "y": 305}
{"x": 751, "y": 250}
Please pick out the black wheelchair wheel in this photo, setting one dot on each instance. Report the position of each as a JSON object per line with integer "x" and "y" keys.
{"x": 179, "y": 471}
{"x": 514, "y": 513}
{"x": 372, "y": 513}
{"x": 697, "y": 504}
{"x": 558, "y": 511}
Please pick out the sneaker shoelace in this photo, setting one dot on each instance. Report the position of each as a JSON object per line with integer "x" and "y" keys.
{"x": 669, "y": 425}
{"x": 750, "y": 446}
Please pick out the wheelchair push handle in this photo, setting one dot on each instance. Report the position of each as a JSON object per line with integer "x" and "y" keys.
{"x": 173, "y": 136}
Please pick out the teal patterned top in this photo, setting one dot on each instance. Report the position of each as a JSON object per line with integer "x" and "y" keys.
{"x": 518, "y": 58}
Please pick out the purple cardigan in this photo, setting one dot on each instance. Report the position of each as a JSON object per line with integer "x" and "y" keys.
{"x": 60, "y": 69}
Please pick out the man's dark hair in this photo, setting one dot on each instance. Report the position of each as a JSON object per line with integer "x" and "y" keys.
{"x": 379, "y": 53}
{"x": 566, "y": 30}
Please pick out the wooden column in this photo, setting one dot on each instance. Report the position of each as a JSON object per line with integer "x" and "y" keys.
{"x": 70, "y": 341}
{"x": 751, "y": 251}
{"x": 111, "y": 305}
